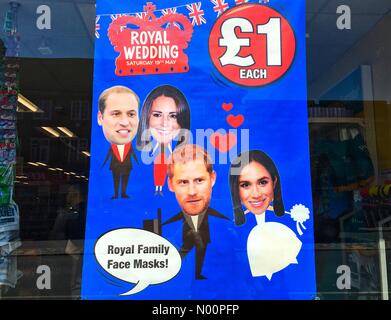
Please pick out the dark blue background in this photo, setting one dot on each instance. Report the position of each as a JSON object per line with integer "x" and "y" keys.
{"x": 276, "y": 116}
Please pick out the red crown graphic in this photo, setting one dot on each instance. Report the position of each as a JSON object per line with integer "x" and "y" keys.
{"x": 150, "y": 45}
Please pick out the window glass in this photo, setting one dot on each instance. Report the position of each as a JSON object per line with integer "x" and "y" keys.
{"x": 48, "y": 55}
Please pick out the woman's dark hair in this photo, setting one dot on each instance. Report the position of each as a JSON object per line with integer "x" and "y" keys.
{"x": 183, "y": 116}
{"x": 237, "y": 166}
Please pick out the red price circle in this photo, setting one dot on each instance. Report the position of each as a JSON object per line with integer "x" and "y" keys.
{"x": 252, "y": 45}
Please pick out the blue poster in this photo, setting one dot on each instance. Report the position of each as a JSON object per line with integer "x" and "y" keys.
{"x": 200, "y": 178}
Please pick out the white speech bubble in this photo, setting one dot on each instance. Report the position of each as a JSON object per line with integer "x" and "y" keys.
{"x": 137, "y": 256}
{"x": 271, "y": 247}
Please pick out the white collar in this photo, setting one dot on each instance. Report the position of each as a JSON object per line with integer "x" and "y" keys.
{"x": 157, "y": 145}
{"x": 260, "y": 218}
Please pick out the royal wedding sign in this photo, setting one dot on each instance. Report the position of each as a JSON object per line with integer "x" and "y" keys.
{"x": 200, "y": 178}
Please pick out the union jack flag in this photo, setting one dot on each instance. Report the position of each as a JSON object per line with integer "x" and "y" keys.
{"x": 141, "y": 15}
{"x": 116, "y": 16}
{"x": 196, "y": 14}
{"x": 220, "y": 6}
{"x": 168, "y": 11}
{"x": 237, "y": 2}
{"x": 97, "y": 27}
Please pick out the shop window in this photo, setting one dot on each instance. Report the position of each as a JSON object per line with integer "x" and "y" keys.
{"x": 76, "y": 148}
{"x": 46, "y": 107}
{"x": 80, "y": 110}
{"x": 39, "y": 150}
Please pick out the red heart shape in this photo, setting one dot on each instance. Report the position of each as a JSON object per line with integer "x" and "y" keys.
{"x": 235, "y": 121}
{"x": 223, "y": 142}
{"x": 227, "y": 106}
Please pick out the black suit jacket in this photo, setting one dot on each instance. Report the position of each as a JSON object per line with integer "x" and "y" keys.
{"x": 119, "y": 167}
{"x": 189, "y": 235}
